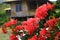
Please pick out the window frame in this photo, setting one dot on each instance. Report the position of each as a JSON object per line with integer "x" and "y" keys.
{"x": 18, "y": 6}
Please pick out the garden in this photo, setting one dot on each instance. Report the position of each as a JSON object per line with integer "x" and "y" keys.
{"x": 44, "y": 26}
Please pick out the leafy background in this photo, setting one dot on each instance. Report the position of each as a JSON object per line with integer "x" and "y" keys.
{"x": 3, "y": 19}
{"x": 3, "y": 13}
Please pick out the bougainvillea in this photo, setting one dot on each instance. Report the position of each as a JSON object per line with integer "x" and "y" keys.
{"x": 41, "y": 12}
{"x": 51, "y": 22}
{"x": 31, "y": 29}
{"x": 10, "y": 23}
{"x": 13, "y": 37}
{"x": 33, "y": 38}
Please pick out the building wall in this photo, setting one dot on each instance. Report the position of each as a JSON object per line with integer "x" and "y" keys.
{"x": 31, "y": 13}
{"x": 24, "y": 11}
{"x": 13, "y": 10}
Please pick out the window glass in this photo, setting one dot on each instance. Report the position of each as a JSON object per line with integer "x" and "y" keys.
{"x": 18, "y": 7}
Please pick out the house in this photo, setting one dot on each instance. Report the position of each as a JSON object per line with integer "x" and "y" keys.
{"x": 24, "y": 8}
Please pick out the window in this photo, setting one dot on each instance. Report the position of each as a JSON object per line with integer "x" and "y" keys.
{"x": 18, "y": 7}
{"x": 8, "y": 13}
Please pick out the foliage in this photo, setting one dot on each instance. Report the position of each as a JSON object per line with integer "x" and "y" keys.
{"x": 3, "y": 13}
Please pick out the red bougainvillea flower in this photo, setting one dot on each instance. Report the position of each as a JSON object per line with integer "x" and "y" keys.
{"x": 34, "y": 22}
{"x": 7, "y": 24}
{"x": 30, "y": 25}
{"x": 13, "y": 21}
{"x": 4, "y": 31}
{"x": 48, "y": 35}
{"x": 41, "y": 12}
{"x": 13, "y": 37}
{"x": 43, "y": 32}
{"x": 57, "y": 37}
{"x": 41, "y": 38}
{"x": 58, "y": 34}
{"x": 24, "y": 23}
{"x": 29, "y": 29}
{"x": 51, "y": 23}
{"x": 33, "y": 38}
{"x": 19, "y": 27}
{"x": 50, "y": 6}
{"x": 10, "y": 23}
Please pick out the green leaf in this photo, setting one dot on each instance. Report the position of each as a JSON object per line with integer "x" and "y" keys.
{"x": 48, "y": 39}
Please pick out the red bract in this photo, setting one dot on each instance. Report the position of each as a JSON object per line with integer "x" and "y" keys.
{"x": 33, "y": 38}
{"x": 13, "y": 37}
{"x": 41, "y": 12}
{"x": 50, "y": 6}
{"x": 43, "y": 32}
{"x": 56, "y": 38}
{"x": 7, "y": 24}
{"x": 4, "y": 31}
{"x": 24, "y": 23}
{"x": 13, "y": 21}
{"x": 58, "y": 34}
{"x": 48, "y": 35}
{"x": 19, "y": 27}
{"x": 34, "y": 22}
{"x": 42, "y": 38}
{"x": 30, "y": 25}
{"x": 51, "y": 23}
{"x": 29, "y": 28}
{"x": 10, "y": 23}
